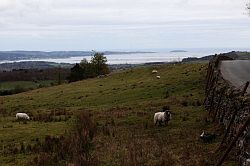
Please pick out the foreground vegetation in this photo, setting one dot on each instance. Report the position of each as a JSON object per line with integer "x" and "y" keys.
{"x": 121, "y": 106}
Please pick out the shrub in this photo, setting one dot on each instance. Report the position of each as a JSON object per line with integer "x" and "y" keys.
{"x": 74, "y": 148}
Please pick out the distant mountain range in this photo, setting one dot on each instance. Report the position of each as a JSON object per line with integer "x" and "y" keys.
{"x": 26, "y": 55}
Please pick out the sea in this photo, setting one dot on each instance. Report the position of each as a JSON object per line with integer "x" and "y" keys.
{"x": 139, "y": 58}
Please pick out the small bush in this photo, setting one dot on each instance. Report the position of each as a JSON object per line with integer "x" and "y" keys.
{"x": 76, "y": 148}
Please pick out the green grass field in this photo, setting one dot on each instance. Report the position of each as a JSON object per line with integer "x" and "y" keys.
{"x": 123, "y": 105}
{"x": 25, "y": 85}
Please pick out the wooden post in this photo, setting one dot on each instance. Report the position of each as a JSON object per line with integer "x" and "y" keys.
{"x": 210, "y": 78}
{"x": 233, "y": 142}
{"x": 222, "y": 115}
{"x": 245, "y": 88}
{"x": 211, "y": 84}
{"x": 210, "y": 87}
{"x": 233, "y": 116}
{"x": 229, "y": 126}
{"x": 219, "y": 102}
{"x": 212, "y": 101}
{"x": 207, "y": 76}
{"x": 208, "y": 70}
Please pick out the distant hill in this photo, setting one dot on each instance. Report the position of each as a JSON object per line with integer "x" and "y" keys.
{"x": 233, "y": 54}
{"x": 26, "y": 55}
{"x": 32, "y": 65}
{"x": 125, "y": 52}
{"x": 178, "y": 51}
{"x": 49, "y": 65}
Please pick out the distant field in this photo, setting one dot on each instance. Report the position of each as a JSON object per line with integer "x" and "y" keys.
{"x": 122, "y": 106}
{"x": 25, "y": 84}
{"x": 21, "y": 86}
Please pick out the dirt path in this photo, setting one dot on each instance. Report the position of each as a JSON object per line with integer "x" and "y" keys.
{"x": 236, "y": 72}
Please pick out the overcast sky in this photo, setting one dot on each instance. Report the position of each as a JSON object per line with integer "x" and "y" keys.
{"x": 122, "y": 24}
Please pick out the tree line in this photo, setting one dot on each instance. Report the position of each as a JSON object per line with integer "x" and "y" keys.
{"x": 95, "y": 67}
{"x": 34, "y": 74}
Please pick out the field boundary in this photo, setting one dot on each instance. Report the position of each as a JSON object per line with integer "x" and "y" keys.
{"x": 229, "y": 107}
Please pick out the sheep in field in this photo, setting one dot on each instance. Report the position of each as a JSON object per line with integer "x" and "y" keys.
{"x": 22, "y": 116}
{"x": 158, "y": 77}
{"x": 162, "y": 117}
{"x": 154, "y": 71}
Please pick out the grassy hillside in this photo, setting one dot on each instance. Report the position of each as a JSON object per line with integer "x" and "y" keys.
{"x": 25, "y": 84}
{"x": 13, "y": 87}
{"x": 122, "y": 106}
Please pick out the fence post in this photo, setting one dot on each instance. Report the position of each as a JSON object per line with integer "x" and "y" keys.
{"x": 218, "y": 105}
{"x": 210, "y": 87}
{"x": 245, "y": 88}
{"x": 233, "y": 142}
{"x": 229, "y": 126}
{"x": 208, "y": 76}
{"x": 212, "y": 101}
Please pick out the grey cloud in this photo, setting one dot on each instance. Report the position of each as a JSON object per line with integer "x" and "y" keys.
{"x": 143, "y": 23}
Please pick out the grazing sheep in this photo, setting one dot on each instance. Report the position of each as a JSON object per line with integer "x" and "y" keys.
{"x": 162, "y": 117}
{"x": 158, "y": 77}
{"x": 154, "y": 71}
{"x": 22, "y": 116}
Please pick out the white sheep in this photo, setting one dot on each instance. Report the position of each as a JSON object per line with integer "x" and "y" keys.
{"x": 154, "y": 71}
{"x": 160, "y": 117}
{"x": 22, "y": 116}
{"x": 158, "y": 77}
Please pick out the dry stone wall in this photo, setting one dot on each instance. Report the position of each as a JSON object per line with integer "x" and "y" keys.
{"x": 229, "y": 107}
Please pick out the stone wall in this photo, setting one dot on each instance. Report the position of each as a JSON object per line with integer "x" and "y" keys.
{"x": 229, "y": 107}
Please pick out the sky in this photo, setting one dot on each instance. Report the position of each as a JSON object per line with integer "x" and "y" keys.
{"x": 49, "y": 25}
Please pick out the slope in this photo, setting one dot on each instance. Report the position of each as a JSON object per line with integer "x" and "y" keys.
{"x": 122, "y": 106}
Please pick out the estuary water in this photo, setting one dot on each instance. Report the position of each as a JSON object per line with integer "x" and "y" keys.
{"x": 133, "y": 58}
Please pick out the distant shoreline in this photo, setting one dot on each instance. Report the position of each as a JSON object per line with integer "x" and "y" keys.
{"x": 118, "y": 60}
{"x": 178, "y": 51}
{"x": 29, "y": 55}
